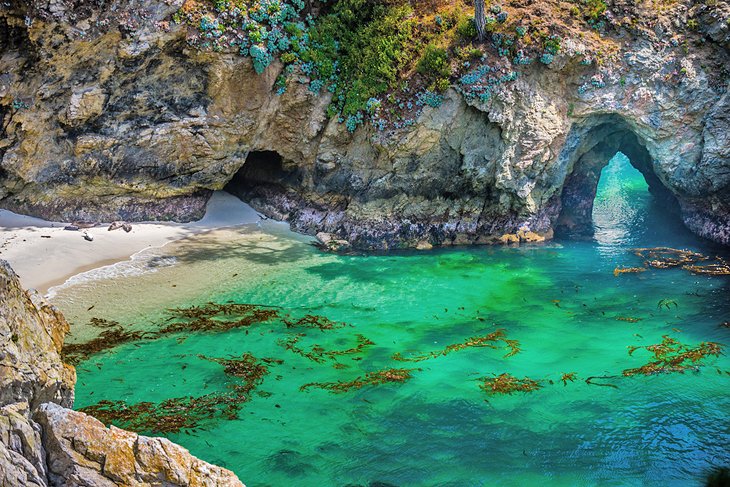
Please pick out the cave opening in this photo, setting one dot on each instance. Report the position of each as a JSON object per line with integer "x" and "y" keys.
{"x": 632, "y": 198}
{"x": 262, "y": 171}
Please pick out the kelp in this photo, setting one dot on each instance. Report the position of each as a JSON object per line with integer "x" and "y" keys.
{"x": 627, "y": 270}
{"x": 313, "y": 321}
{"x": 629, "y": 319}
{"x": 567, "y": 377}
{"x": 718, "y": 268}
{"x": 208, "y": 318}
{"x": 508, "y": 384}
{"x": 319, "y": 354}
{"x": 667, "y": 303}
{"x": 184, "y": 413}
{"x": 74, "y": 353}
{"x": 488, "y": 340}
{"x": 666, "y": 257}
{"x": 672, "y": 356}
{"x": 378, "y": 377}
{"x": 247, "y": 367}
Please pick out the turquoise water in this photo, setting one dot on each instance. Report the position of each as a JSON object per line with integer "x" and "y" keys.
{"x": 560, "y": 300}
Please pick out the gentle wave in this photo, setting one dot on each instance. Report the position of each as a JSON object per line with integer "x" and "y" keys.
{"x": 146, "y": 261}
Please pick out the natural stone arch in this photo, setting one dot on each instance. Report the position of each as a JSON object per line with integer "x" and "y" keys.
{"x": 595, "y": 143}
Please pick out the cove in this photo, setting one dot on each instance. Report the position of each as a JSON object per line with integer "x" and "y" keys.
{"x": 561, "y": 301}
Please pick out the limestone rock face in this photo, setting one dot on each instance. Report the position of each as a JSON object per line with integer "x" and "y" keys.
{"x": 134, "y": 124}
{"x": 81, "y": 451}
{"x": 42, "y": 443}
{"x": 31, "y": 337}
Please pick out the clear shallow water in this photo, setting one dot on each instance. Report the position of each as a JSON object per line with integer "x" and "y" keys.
{"x": 560, "y": 300}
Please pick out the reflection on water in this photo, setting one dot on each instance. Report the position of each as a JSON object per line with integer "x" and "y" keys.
{"x": 562, "y": 302}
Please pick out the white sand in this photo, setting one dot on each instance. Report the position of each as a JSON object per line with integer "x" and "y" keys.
{"x": 44, "y": 262}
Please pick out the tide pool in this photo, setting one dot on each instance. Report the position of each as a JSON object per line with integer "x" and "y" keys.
{"x": 561, "y": 301}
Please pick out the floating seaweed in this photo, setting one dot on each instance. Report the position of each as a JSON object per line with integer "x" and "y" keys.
{"x": 207, "y": 318}
{"x": 488, "y": 340}
{"x": 247, "y": 367}
{"x": 313, "y": 321}
{"x": 673, "y": 356}
{"x": 179, "y": 413}
{"x": 169, "y": 416}
{"x": 103, "y": 323}
{"x": 508, "y": 384}
{"x": 378, "y": 377}
{"x": 318, "y": 353}
{"x": 718, "y": 268}
{"x": 629, "y": 319}
{"x": 666, "y": 257}
{"x": 211, "y": 317}
{"x": 666, "y": 303}
{"x": 567, "y": 377}
{"x": 627, "y": 270}
{"x": 73, "y": 353}
{"x": 590, "y": 380}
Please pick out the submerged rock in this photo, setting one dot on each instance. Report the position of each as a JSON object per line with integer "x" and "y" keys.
{"x": 42, "y": 442}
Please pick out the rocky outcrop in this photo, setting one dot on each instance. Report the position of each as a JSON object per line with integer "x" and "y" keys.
{"x": 42, "y": 442}
{"x": 125, "y": 121}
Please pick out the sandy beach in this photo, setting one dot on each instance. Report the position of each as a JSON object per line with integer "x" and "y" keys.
{"x": 43, "y": 254}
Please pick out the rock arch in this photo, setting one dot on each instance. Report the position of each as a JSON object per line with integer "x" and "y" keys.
{"x": 589, "y": 148}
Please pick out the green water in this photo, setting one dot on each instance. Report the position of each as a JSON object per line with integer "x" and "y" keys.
{"x": 560, "y": 300}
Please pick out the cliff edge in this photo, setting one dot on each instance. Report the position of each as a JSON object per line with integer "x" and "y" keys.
{"x": 42, "y": 442}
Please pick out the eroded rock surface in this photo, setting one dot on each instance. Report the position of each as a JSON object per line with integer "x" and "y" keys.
{"x": 127, "y": 122}
{"x": 42, "y": 442}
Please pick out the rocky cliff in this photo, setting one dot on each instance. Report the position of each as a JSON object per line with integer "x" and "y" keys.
{"x": 109, "y": 113}
{"x": 42, "y": 443}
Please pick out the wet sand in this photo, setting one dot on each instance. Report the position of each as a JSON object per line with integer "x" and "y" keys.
{"x": 43, "y": 254}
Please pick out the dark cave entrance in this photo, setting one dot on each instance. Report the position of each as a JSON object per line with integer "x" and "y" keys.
{"x": 600, "y": 142}
{"x": 263, "y": 171}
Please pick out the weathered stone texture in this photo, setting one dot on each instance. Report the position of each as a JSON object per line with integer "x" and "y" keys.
{"x": 42, "y": 442}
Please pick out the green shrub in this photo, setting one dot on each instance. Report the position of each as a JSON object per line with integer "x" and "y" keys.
{"x": 466, "y": 29}
{"x": 440, "y": 85}
{"x": 593, "y": 9}
{"x": 367, "y": 43}
{"x": 434, "y": 62}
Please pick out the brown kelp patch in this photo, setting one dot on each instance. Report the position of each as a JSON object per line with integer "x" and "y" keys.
{"x": 378, "y": 377}
{"x": 488, "y": 340}
{"x": 567, "y": 377}
{"x": 628, "y": 319}
{"x": 73, "y": 353}
{"x": 246, "y": 367}
{"x": 627, "y": 270}
{"x": 508, "y": 384}
{"x": 216, "y": 317}
{"x": 720, "y": 267}
{"x": 321, "y": 323}
{"x": 184, "y": 413}
{"x": 207, "y": 318}
{"x": 673, "y": 356}
{"x": 319, "y": 354}
{"x": 668, "y": 258}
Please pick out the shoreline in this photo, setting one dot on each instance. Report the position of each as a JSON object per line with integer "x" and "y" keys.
{"x": 44, "y": 255}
